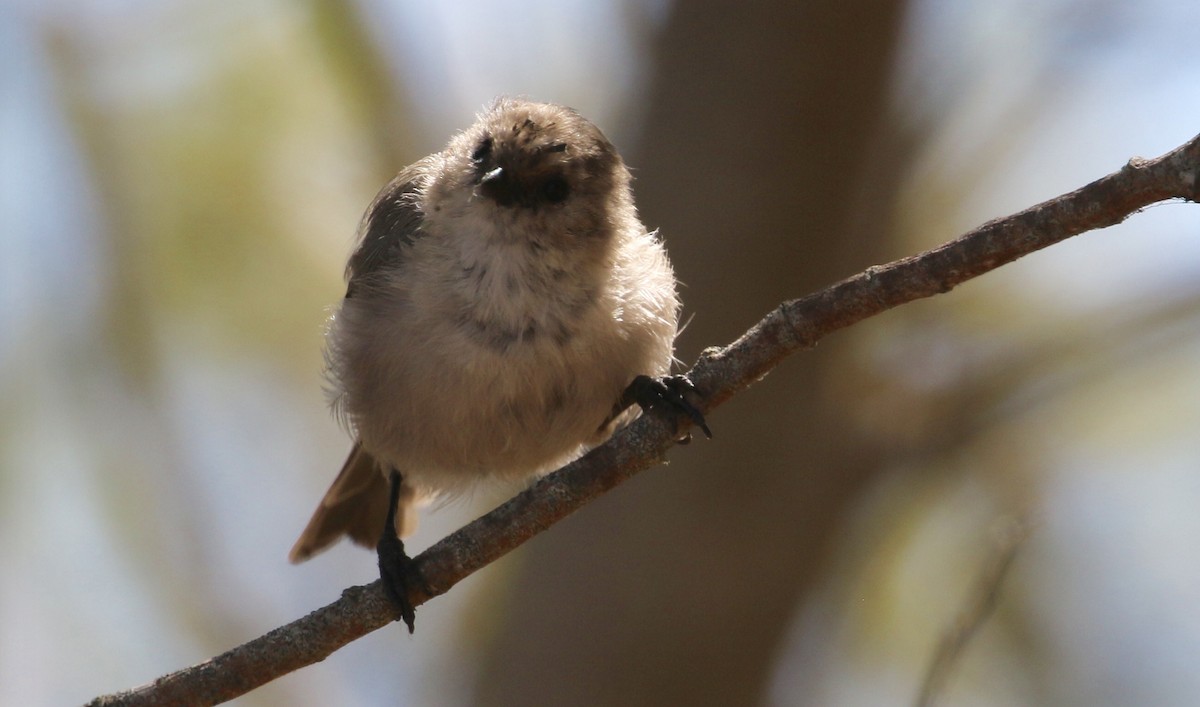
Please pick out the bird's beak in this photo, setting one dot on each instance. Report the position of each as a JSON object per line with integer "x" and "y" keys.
{"x": 493, "y": 174}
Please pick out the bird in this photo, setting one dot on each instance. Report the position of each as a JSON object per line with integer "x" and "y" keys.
{"x": 505, "y": 311}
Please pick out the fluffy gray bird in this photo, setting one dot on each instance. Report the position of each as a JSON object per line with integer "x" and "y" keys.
{"x": 505, "y": 309}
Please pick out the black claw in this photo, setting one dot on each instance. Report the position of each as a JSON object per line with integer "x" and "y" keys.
{"x": 398, "y": 572}
{"x": 668, "y": 391}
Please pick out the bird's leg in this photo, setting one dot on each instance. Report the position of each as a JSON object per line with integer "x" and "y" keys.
{"x": 397, "y": 570}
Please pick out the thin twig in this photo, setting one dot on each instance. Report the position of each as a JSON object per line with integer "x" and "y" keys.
{"x": 719, "y": 374}
{"x": 980, "y": 604}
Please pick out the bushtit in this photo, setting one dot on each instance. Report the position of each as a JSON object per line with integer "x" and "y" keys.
{"x": 505, "y": 309}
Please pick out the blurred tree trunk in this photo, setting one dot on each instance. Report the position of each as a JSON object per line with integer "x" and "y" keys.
{"x": 767, "y": 165}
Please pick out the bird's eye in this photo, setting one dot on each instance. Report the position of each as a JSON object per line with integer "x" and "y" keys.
{"x": 555, "y": 190}
{"x": 482, "y": 150}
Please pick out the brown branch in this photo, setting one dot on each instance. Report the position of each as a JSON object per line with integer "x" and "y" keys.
{"x": 719, "y": 374}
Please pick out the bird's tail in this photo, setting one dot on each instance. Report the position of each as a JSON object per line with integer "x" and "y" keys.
{"x": 355, "y": 505}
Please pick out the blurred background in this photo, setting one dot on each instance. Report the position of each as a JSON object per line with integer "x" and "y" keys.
{"x": 179, "y": 186}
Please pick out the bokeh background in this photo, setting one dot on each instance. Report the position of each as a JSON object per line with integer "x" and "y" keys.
{"x": 179, "y": 186}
